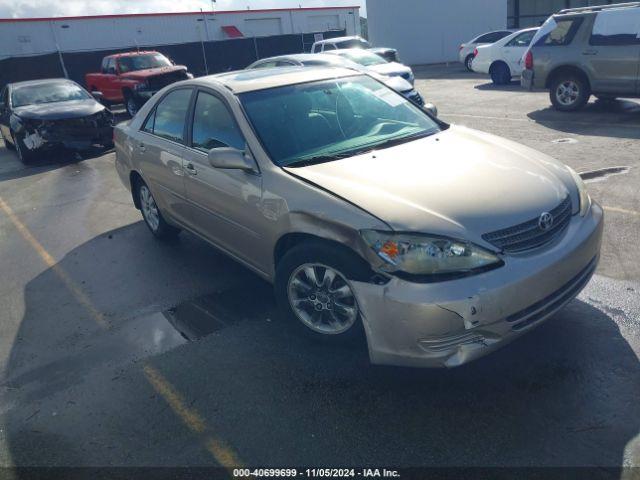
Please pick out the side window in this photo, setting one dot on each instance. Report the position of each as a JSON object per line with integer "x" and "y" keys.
{"x": 111, "y": 66}
{"x": 168, "y": 119}
{"x": 490, "y": 37}
{"x": 616, "y": 27}
{"x": 329, "y": 46}
{"x": 103, "y": 68}
{"x": 214, "y": 126}
{"x": 522, "y": 40}
{"x": 316, "y": 48}
{"x": 266, "y": 65}
{"x": 562, "y": 34}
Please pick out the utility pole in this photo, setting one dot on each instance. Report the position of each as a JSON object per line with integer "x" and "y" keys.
{"x": 55, "y": 41}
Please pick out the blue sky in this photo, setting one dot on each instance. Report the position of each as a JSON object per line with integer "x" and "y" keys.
{"x": 55, "y": 8}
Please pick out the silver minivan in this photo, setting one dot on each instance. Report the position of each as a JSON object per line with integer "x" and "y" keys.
{"x": 372, "y": 218}
{"x": 586, "y": 51}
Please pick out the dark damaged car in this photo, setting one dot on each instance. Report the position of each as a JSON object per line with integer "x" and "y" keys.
{"x": 42, "y": 115}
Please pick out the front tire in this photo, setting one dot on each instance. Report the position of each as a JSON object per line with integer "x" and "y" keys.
{"x": 500, "y": 74}
{"x": 131, "y": 105}
{"x": 152, "y": 216}
{"x": 25, "y": 155}
{"x": 569, "y": 93}
{"x": 314, "y": 291}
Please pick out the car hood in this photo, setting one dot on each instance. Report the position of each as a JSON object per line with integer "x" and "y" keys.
{"x": 152, "y": 72}
{"x": 397, "y": 83}
{"x": 392, "y": 68}
{"x": 459, "y": 182}
{"x": 59, "y": 110}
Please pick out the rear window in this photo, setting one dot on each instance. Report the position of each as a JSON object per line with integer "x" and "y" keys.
{"x": 616, "y": 27}
{"x": 563, "y": 33}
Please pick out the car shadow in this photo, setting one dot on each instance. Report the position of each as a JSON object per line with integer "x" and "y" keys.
{"x": 619, "y": 119}
{"x": 78, "y": 392}
{"x": 509, "y": 87}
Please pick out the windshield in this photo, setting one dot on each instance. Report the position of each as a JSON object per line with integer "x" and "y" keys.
{"x": 326, "y": 120}
{"x": 363, "y": 57}
{"x": 47, "y": 93}
{"x": 143, "y": 62}
{"x": 353, "y": 43}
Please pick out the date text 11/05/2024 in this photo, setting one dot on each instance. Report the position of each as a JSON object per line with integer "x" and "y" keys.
{"x": 315, "y": 473}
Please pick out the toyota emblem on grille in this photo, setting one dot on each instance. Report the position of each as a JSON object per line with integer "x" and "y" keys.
{"x": 546, "y": 221}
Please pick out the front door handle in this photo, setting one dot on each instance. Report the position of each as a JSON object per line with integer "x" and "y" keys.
{"x": 142, "y": 147}
{"x": 191, "y": 169}
{"x": 590, "y": 52}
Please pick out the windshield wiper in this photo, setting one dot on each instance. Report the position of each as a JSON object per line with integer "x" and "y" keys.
{"x": 399, "y": 141}
{"x": 323, "y": 159}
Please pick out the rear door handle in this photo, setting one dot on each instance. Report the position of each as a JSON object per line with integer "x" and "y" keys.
{"x": 142, "y": 147}
{"x": 590, "y": 52}
{"x": 191, "y": 169}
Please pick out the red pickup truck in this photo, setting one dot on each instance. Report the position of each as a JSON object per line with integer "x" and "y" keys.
{"x": 132, "y": 78}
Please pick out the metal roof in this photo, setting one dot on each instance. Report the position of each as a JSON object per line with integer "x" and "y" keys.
{"x": 165, "y": 14}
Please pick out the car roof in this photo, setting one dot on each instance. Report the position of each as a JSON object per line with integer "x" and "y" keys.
{"x": 244, "y": 81}
{"x": 132, "y": 54}
{"x": 43, "y": 81}
{"x": 340, "y": 39}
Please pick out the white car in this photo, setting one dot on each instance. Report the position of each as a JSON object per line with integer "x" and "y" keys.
{"x": 376, "y": 63}
{"x": 503, "y": 59}
{"x": 465, "y": 54}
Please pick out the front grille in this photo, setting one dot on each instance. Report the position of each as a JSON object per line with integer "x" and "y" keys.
{"x": 553, "y": 302}
{"x": 443, "y": 344}
{"x": 529, "y": 235}
{"x": 416, "y": 98}
{"x": 158, "y": 82}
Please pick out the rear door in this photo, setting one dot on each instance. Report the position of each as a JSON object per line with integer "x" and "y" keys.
{"x": 613, "y": 53}
{"x": 159, "y": 149}
{"x": 515, "y": 49}
{"x": 224, "y": 205}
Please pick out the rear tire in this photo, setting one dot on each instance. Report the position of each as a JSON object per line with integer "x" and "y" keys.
{"x": 321, "y": 305}
{"x": 468, "y": 62}
{"x": 151, "y": 214}
{"x": 569, "y": 93}
{"x": 131, "y": 105}
{"x": 500, "y": 73}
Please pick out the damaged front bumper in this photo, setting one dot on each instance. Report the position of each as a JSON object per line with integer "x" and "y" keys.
{"x": 451, "y": 323}
{"x": 60, "y": 136}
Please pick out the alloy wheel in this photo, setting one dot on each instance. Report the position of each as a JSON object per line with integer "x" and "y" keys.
{"x": 132, "y": 107}
{"x": 149, "y": 208}
{"x": 568, "y": 93}
{"x": 322, "y": 299}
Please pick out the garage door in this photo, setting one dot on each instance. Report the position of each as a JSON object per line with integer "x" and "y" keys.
{"x": 322, "y": 23}
{"x": 262, "y": 27}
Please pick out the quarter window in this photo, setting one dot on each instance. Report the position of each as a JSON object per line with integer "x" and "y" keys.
{"x": 214, "y": 126}
{"x": 168, "y": 119}
{"x": 562, "y": 34}
{"x": 522, "y": 40}
{"x": 616, "y": 27}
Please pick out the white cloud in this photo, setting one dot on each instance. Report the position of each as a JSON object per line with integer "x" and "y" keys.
{"x": 57, "y": 8}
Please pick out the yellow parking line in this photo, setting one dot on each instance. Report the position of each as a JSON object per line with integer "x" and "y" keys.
{"x": 191, "y": 418}
{"x": 80, "y": 296}
{"x": 622, "y": 210}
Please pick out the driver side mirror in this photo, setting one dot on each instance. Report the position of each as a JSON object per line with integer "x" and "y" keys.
{"x": 111, "y": 70}
{"x": 431, "y": 108}
{"x": 231, "y": 159}
{"x": 99, "y": 96}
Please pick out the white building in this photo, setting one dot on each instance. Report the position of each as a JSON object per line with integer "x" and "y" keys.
{"x": 36, "y": 36}
{"x": 430, "y": 31}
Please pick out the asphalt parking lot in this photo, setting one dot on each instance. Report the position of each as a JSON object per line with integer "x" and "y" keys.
{"x": 117, "y": 350}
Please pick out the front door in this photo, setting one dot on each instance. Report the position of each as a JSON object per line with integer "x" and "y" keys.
{"x": 613, "y": 53}
{"x": 159, "y": 149}
{"x": 224, "y": 205}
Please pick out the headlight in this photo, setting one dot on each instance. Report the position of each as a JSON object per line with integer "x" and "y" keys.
{"x": 585, "y": 199}
{"x": 418, "y": 254}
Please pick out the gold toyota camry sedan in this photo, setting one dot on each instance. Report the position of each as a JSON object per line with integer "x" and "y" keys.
{"x": 439, "y": 242}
